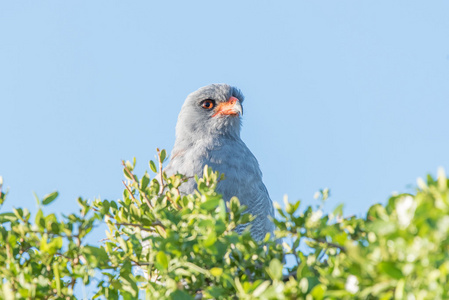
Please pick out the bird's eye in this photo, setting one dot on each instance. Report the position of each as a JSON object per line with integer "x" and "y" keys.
{"x": 208, "y": 104}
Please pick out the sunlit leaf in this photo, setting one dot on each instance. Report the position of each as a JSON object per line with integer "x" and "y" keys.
{"x": 49, "y": 198}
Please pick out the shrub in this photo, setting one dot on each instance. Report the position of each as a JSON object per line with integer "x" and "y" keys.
{"x": 163, "y": 245}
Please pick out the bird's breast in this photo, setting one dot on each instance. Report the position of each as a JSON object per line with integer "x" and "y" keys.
{"x": 231, "y": 158}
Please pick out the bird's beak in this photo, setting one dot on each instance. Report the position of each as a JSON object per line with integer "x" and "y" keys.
{"x": 231, "y": 108}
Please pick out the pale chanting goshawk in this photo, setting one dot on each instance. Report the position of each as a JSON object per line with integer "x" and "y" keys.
{"x": 208, "y": 133}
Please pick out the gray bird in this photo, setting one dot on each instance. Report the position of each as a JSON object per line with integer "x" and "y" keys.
{"x": 208, "y": 133}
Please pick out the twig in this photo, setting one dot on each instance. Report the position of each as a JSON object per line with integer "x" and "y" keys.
{"x": 330, "y": 244}
{"x": 286, "y": 278}
{"x": 172, "y": 201}
{"x": 141, "y": 192}
{"x": 127, "y": 171}
{"x": 132, "y": 196}
{"x": 157, "y": 223}
{"x": 160, "y": 171}
{"x": 73, "y": 282}
{"x": 140, "y": 263}
{"x": 146, "y": 199}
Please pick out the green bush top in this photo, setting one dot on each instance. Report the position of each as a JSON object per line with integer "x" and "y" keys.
{"x": 163, "y": 245}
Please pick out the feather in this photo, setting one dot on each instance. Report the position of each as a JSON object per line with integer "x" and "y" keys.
{"x": 205, "y": 138}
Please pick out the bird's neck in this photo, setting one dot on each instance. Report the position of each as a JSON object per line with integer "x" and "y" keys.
{"x": 208, "y": 140}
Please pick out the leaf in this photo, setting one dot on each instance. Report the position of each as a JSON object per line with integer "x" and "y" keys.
{"x": 57, "y": 242}
{"x": 196, "y": 268}
{"x": 7, "y": 217}
{"x": 127, "y": 173}
{"x": 222, "y": 210}
{"x": 399, "y": 291}
{"x": 216, "y": 271}
{"x": 211, "y": 204}
{"x": 105, "y": 206}
{"x": 39, "y": 219}
{"x": 318, "y": 291}
{"x": 210, "y": 239}
{"x": 291, "y": 208}
{"x": 261, "y": 288}
{"x": 57, "y": 277}
{"x": 338, "y": 211}
{"x": 382, "y": 227}
{"x": 144, "y": 181}
{"x": 153, "y": 166}
{"x": 95, "y": 255}
{"x": 129, "y": 165}
{"x": 8, "y": 291}
{"x": 162, "y": 260}
{"x": 38, "y": 201}
{"x": 18, "y": 212}
{"x": 163, "y": 155}
{"x": 50, "y": 198}
{"x": 275, "y": 269}
{"x": 391, "y": 269}
{"x": 180, "y": 295}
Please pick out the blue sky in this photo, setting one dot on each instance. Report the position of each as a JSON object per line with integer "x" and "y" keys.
{"x": 348, "y": 95}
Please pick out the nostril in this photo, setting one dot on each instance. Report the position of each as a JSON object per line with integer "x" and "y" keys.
{"x": 233, "y": 100}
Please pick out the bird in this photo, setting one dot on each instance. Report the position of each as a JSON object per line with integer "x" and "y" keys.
{"x": 208, "y": 133}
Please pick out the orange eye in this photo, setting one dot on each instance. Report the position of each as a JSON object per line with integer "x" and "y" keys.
{"x": 208, "y": 104}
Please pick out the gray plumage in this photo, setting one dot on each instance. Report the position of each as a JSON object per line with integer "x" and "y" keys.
{"x": 212, "y": 136}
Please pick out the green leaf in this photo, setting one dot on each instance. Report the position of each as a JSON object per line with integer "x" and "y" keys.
{"x": 163, "y": 155}
{"x": 338, "y": 211}
{"x": 382, "y": 227}
{"x": 222, "y": 210}
{"x": 196, "y": 268}
{"x": 56, "y": 242}
{"x": 18, "y": 212}
{"x": 129, "y": 165}
{"x": 216, "y": 271}
{"x": 211, "y": 204}
{"x": 8, "y": 291}
{"x": 39, "y": 219}
{"x": 7, "y": 217}
{"x": 180, "y": 295}
{"x": 38, "y": 201}
{"x": 153, "y": 166}
{"x": 391, "y": 269}
{"x": 318, "y": 291}
{"x": 50, "y": 198}
{"x": 261, "y": 288}
{"x": 105, "y": 205}
{"x": 275, "y": 269}
{"x": 144, "y": 181}
{"x": 57, "y": 278}
{"x": 162, "y": 260}
{"x": 127, "y": 173}
{"x": 95, "y": 255}
{"x": 210, "y": 239}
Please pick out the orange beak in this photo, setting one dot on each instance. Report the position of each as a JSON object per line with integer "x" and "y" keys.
{"x": 231, "y": 108}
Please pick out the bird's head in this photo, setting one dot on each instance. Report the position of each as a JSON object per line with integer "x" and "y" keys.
{"x": 212, "y": 110}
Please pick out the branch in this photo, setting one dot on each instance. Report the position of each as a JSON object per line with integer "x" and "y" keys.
{"x": 172, "y": 201}
{"x": 323, "y": 241}
{"x": 141, "y": 192}
{"x": 127, "y": 187}
{"x": 160, "y": 171}
{"x": 286, "y": 278}
{"x": 157, "y": 223}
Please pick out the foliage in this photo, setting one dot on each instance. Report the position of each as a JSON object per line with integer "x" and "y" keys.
{"x": 43, "y": 257}
{"x": 164, "y": 245}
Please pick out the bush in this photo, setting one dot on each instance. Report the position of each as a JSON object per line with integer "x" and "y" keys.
{"x": 163, "y": 245}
